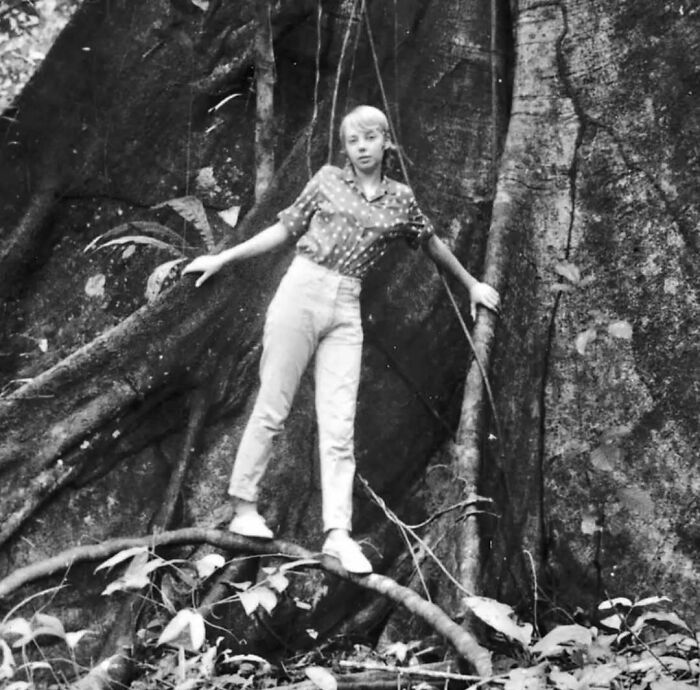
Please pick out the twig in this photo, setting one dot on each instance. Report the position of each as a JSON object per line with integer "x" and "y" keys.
{"x": 501, "y": 680}
{"x": 534, "y": 591}
{"x": 408, "y": 670}
{"x": 473, "y": 499}
{"x": 397, "y": 521}
{"x": 463, "y": 642}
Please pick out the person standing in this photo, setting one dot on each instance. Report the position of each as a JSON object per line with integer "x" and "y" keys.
{"x": 342, "y": 222}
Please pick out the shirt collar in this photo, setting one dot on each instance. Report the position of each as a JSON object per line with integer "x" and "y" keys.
{"x": 350, "y": 177}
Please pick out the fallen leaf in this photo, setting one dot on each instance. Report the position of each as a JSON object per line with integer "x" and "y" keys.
{"x": 620, "y": 329}
{"x": 95, "y": 285}
{"x": 321, "y": 677}
{"x": 562, "y": 637}
{"x": 500, "y": 617}
{"x": 589, "y": 524}
{"x": 584, "y": 338}
{"x": 569, "y": 271}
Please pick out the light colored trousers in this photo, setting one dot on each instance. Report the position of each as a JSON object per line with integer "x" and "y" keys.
{"x": 314, "y": 310}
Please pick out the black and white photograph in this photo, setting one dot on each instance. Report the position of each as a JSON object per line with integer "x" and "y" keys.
{"x": 349, "y": 344}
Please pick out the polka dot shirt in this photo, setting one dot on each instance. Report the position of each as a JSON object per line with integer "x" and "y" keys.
{"x": 338, "y": 227}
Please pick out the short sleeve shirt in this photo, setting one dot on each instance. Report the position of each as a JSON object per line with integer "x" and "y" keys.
{"x": 336, "y": 226}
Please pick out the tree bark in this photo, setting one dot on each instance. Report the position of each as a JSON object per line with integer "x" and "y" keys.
{"x": 592, "y": 375}
{"x": 264, "y": 100}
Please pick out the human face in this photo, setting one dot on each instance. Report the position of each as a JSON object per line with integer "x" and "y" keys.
{"x": 365, "y": 149}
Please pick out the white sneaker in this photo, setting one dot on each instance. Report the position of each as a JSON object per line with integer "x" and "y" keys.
{"x": 250, "y": 524}
{"x": 348, "y": 552}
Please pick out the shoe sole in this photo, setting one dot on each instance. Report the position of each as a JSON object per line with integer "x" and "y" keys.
{"x": 243, "y": 533}
{"x": 336, "y": 557}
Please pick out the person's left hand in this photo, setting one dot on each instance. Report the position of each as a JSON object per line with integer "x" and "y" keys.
{"x": 481, "y": 293}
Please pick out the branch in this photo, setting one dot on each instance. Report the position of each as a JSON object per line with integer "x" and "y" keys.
{"x": 415, "y": 671}
{"x": 380, "y": 677}
{"x": 463, "y": 642}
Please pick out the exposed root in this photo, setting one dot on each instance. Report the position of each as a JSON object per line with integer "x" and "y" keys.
{"x": 199, "y": 405}
{"x": 40, "y": 489}
{"x": 118, "y": 666}
{"x": 19, "y": 249}
{"x": 463, "y": 642}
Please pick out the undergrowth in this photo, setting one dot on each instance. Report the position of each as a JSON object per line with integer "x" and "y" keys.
{"x": 637, "y": 644}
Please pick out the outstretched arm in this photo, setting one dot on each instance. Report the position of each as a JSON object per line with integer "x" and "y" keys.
{"x": 479, "y": 293}
{"x": 266, "y": 240}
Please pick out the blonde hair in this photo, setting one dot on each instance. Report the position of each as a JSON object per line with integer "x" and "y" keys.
{"x": 365, "y": 117}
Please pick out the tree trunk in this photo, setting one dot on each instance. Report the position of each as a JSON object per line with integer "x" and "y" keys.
{"x": 588, "y": 233}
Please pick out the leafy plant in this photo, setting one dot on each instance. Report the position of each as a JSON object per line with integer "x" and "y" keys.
{"x": 145, "y": 233}
{"x": 635, "y": 645}
{"x": 19, "y": 633}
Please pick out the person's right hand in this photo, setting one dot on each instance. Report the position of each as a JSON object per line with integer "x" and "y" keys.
{"x": 207, "y": 265}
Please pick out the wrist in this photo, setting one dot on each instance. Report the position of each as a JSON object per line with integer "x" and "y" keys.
{"x": 226, "y": 256}
{"x": 470, "y": 283}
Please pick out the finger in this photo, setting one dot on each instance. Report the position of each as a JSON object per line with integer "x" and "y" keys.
{"x": 191, "y": 268}
{"x": 201, "y": 279}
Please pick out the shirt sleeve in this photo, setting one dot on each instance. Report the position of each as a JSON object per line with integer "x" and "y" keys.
{"x": 419, "y": 228}
{"x": 295, "y": 218}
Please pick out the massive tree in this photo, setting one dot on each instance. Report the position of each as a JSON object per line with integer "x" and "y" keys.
{"x": 553, "y": 144}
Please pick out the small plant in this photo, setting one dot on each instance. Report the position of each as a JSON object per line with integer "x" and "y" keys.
{"x": 20, "y": 634}
{"x": 143, "y": 233}
{"x": 639, "y": 645}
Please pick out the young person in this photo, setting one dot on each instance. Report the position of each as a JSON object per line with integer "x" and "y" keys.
{"x": 342, "y": 223}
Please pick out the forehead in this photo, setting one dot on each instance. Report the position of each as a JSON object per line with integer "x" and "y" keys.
{"x": 352, "y": 129}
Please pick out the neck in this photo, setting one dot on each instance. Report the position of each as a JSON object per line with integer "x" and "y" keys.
{"x": 368, "y": 181}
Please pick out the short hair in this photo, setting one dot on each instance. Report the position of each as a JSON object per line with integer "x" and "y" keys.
{"x": 365, "y": 117}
